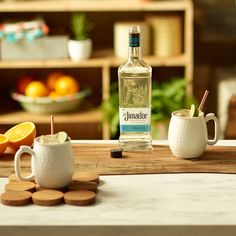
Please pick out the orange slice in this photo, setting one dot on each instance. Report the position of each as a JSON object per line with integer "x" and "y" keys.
{"x": 21, "y": 134}
{"x": 3, "y": 143}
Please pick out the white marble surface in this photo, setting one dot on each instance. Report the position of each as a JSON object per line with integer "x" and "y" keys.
{"x": 168, "y": 204}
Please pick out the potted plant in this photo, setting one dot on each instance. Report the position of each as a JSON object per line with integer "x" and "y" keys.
{"x": 81, "y": 46}
{"x": 166, "y": 97}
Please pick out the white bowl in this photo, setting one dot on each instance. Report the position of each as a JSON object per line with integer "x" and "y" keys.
{"x": 49, "y": 105}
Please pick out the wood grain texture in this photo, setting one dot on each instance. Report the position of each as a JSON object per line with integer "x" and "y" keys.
{"x": 79, "y": 198}
{"x": 39, "y": 188}
{"x": 47, "y": 197}
{"x": 19, "y": 198}
{"x": 96, "y": 157}
{"x": 20, "y": 186}
{"x": 14, "y": 178}
{"x": 86, "y": 176}
{"x": 76, "y": 185}
{"x": 107, "y": 5}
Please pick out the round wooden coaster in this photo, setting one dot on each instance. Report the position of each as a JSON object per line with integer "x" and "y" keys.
{"x": 14, "y": 178}
{"x": 76, "y": 185}
{"x": 39, "y": 188}
{"x": 20, "y": 186}
{"x": 47, "y": 197}
{"x": 86, "y": 176}
{"x": 80, "y": 197}
{"x": 17, "y": 198}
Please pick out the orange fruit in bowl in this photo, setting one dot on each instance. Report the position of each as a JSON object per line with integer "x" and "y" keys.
{"x": 22, "y": 83}
{"x": 52, "y": 78}
{"x": 21, "y": 134}
{"x": 54, "y": 94}
{"x": 3, "y": 143}
{"x": 36, "y": 89}
{"x": 66, "y": 85}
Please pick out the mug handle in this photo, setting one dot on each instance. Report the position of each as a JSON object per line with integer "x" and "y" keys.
{"x": 23, "y": 149}
{"x": 209, "y": 117}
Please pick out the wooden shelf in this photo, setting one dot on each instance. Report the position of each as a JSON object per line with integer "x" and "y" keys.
{"x": 93, "y": 5}
{"x": 77, "y": 117}
{"x": 51, "y": 63}
{"x": 106, "y": 60}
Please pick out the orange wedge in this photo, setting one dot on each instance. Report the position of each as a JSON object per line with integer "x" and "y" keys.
{"x": 3, "y": 143}
{"x": 21, "y": 134}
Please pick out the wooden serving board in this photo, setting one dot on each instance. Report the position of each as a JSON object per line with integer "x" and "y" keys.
{"x": 96, "y": 157}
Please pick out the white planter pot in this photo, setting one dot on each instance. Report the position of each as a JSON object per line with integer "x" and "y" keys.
{"x": 79, "y": 50}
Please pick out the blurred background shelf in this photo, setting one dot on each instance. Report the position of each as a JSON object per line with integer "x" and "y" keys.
{"x": 79, "y": 123}
{"x": 100, "y": 71}
{"x": 75, "y": 117}
{"x": 92, "y": 5}
{"x": 52, "y": 63}
{"x": 105, "y": 61}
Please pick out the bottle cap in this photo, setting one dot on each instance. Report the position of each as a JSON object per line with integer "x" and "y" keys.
{"x": 135, "y": 29}
{"x": 134, "y": 36}
{"x": 116, "y": 153}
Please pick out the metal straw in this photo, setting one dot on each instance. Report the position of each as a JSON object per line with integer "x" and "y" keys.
{"x": 203, "y": 100}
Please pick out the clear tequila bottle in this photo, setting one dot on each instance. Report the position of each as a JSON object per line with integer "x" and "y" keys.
{"x": 135, "y": 98}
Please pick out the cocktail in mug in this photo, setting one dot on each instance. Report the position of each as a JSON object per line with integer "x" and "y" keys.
{"x": 52, "y": 162}
{"x": 188, "y": 136}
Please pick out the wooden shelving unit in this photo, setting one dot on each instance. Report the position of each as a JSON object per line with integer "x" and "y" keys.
{"x": 93, "y": 5}
{"x": 102, "y": 58}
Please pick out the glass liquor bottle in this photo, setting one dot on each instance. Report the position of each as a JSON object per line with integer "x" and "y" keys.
{"x": 135, "y": 86}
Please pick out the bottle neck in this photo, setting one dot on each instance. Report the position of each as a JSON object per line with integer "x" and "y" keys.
{"x": 134, "y": 53}
{"x": 134, "y": 46}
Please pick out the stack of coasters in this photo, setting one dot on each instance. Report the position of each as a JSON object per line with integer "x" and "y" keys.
{"x": 79, "y": 197}
{"x": 14, "y": 178}
{"x": 75, "y": 185}
{"x": 18, "y": 198}
{"x": 47, "y": 197}
{"x": 20, "y": 186}
{"x": 86, "y": 176}
{"x": 81, "y": 191}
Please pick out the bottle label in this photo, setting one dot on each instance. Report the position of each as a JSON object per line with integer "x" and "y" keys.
{"x": 135, "y": 119}
{"x": 134, "y": 40}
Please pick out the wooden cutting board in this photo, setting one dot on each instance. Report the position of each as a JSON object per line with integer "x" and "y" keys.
{"x": 96, "y": 157}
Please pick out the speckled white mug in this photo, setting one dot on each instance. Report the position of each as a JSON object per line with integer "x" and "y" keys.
{"x": 52, "y": 165}
{"x": 188, "y": 136}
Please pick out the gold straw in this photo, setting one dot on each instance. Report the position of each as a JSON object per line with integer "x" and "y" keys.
{"x": 52, "y": 124}
{"x": 203, "y": 100}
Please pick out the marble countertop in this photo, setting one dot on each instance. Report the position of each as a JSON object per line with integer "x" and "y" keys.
{"x": 168, "y": 204}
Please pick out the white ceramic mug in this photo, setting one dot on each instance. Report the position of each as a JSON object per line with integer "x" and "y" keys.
{"x": 188, "y": 136}
{"x": 52, "y": 165}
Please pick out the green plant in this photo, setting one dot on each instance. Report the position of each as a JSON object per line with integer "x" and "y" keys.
{"x": 110, "y": 109}
{"x": 166, "y": 98}
{"x": 81, "y": 26}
